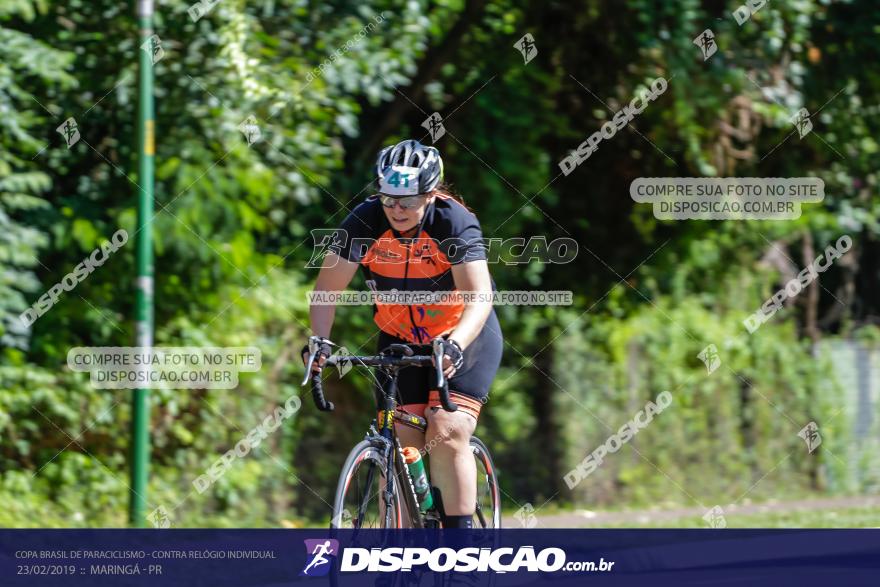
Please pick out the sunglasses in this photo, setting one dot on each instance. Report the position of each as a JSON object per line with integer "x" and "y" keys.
{"x": 407, "y": 203}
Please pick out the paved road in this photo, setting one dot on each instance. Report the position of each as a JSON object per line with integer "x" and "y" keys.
{"x": 598, "y": 519}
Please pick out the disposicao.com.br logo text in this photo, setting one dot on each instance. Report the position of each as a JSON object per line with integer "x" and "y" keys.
{"x": 497, "y": 560}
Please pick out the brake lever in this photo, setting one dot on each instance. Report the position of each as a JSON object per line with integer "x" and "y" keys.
{"x": 438, "y": 362}
{"x": 442, "y": 387}
{"x": 314, "y": 347}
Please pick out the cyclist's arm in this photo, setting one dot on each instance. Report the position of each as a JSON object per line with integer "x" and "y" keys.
{"x": 472, "y": 277}
{"x": 335, "y": 275}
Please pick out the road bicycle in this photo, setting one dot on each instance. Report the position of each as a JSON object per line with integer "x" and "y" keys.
{"x": 376, "y": 488}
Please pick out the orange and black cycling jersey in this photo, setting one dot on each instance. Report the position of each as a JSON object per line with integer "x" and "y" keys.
{"x": 449, "y": 234}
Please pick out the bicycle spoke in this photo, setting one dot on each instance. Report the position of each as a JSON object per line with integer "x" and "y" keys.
{"x": 360, "y": 499}
{"x": 365, "y": 502}
{"x": 359, "y": 502}
{"x": 480, "y": 515}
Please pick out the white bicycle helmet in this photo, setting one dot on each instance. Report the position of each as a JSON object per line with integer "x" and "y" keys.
{"x": 408, "y": 168}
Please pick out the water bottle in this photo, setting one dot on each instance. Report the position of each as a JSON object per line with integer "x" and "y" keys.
{"x": 416, "y": 466}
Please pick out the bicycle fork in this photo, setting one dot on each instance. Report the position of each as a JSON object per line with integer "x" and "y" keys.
{"x": 395, "y": 465}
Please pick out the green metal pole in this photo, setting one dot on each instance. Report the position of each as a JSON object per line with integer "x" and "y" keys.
{"x": 140, "y": 436}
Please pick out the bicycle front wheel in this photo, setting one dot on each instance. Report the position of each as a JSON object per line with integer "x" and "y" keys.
{"x": 359, "y": 502}
{"x": 488, "y": 507}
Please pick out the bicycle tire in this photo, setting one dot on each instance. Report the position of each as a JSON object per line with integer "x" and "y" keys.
{"x": 493, "y": 490}
{"x": 364, "y": 452}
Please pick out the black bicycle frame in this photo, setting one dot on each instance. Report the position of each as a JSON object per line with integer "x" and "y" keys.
{"x": 393, "y": 462}
{"x": 396, "y": 357}
{"x": 386, "y": 431}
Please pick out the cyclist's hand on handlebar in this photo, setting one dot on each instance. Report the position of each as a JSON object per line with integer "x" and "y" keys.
{"x": 453, "y": 357}
{"x": 324, "y": 351}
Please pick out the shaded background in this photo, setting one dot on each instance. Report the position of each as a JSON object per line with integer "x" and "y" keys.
{"x": 233, "y": 222}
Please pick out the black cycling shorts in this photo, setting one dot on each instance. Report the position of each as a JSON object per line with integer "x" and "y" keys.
{"x": 471, "y": 383}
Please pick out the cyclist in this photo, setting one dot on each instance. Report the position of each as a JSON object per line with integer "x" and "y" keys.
{"x": 415, "y": 235}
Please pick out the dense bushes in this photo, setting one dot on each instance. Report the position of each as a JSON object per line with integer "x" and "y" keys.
{"x": 234, "y": 220}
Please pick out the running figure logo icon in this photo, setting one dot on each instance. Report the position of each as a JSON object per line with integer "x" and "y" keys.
{"x": 526, "y": 46}
{"x": 706, "y": 42}
{"x": 434, "y": 125}
{"x": 321, "y": 554}
{"x": 801, "y": 121}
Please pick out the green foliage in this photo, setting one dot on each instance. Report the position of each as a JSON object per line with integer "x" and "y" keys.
{"x": 22, "y": 183}
{"x": 233, "y": 220}
{"x": 728, "y": 435}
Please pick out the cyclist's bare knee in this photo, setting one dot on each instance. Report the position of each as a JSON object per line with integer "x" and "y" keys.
{"x": 448, "y": 429}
